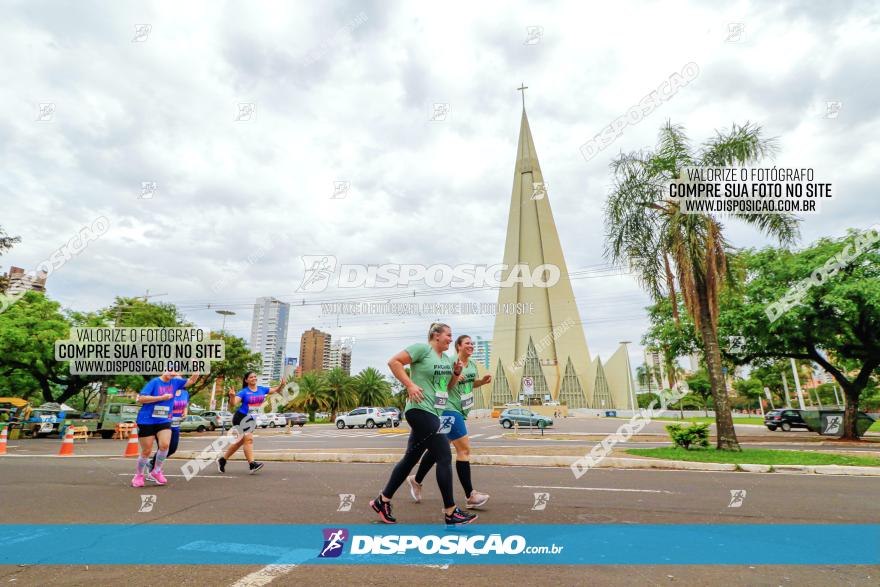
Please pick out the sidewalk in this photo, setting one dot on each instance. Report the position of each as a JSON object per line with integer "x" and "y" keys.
{"x": 530, "y": 456}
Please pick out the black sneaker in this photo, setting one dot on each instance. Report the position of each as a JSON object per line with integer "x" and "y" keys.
{"x": 221, "y": 465}
{"x": 458, "y": 518}
{"x": 383, "y": 508}
{"x": 255, "y": 466}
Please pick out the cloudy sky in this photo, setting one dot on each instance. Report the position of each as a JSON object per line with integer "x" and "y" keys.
{"x": 136, "y": 92}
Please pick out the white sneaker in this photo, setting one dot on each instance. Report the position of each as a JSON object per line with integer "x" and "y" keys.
{"x": 415, "y": 488}
{"x": 477, "y": 499}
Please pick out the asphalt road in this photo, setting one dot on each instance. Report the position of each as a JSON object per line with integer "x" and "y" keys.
{"x": 96, "y": 490}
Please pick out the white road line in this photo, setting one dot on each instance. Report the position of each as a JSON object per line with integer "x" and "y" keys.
{"x": 194, "y": 476}
{"x": 494, "y": 437}
{"x": 264, "y": 576}
{"x": 476, "y": 436}
{"x": 594, "y": 488}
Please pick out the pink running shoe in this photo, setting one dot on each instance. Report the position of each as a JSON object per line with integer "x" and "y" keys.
{"x": 158, "y": 477}
{"x": 138, "y": 480}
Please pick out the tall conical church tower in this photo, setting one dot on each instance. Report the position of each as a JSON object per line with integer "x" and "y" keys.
{"x": 548, "y": 344}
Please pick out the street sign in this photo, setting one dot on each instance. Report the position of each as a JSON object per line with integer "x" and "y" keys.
{"x": 528, "y": 385}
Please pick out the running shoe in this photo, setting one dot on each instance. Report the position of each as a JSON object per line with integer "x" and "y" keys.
{"x": 138, "y": 480}
{"x": 415, "y": 489}
{"x": 157, "y": 476}
{"x": 477, "y": 499}
{"x": 221, "y": 465}
{"x": 383, "y": 508}
{"x": 255, "y": 466}
{"x": 459, "y": 518}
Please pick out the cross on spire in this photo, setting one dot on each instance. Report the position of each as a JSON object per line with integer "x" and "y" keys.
{"x": 523, "y": 89}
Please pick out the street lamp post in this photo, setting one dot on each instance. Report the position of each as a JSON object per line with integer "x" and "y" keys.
{"x": 224, "y": 313}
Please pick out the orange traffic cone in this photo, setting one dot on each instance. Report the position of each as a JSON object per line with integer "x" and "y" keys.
{"x": 67, "y": 444}
{"x": 3, "y": 441}
{"x": 132, "y": 449}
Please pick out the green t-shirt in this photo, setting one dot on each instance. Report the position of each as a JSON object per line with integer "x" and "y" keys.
{"x": 461, "y": 398}
{"x": 432, "y": 373}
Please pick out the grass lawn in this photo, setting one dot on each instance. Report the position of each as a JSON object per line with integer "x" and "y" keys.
{"x": 756, "y": 456}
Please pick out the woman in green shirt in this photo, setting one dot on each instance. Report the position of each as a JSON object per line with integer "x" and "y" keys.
{"x": 427, "y": 387}
{"x": 461, "y": 400}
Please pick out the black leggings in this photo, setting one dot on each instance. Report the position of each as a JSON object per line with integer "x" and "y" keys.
{"x": 423, "y": 437}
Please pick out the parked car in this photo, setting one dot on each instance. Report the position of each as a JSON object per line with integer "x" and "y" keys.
{"x": 296, "y": 419}
{"x": 392, "y": 416}
{"x": 218, "y": 419}
{"x": 524, "y": 417}
{"x": 276, "y": 419}
{"x": 785, "y": 419}
{"x": 194, "y": 424}
{"x": 362, "y": 417}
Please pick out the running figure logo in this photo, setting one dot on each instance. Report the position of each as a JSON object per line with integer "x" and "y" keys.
{"x": 147, "y": 503}
{"x": 346, "y": 500}
{"x": 541, "y": 501}
{"x": 737, "y": 497}
{"x": 318, "y": 269}
{"x": 446, "y": 423}
{"x": 334, "y": 542}
{"x": 832, "y": 425}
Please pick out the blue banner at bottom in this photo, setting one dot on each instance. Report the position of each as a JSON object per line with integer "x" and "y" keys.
{"x": 517, "y": 544}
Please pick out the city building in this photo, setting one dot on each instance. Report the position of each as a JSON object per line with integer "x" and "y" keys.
{"x": 20, "y": 281}
{"x": 314, "y": 346}
{"x": 339, "y": 355}
{"x": 269, "y": 336}
{"x": 546, "y": 349}
{"x": 482, "y": 350}
{"x": 290, "y": 367}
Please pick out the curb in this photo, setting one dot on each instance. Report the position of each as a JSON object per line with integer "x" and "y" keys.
{"x": 563, "y": 461}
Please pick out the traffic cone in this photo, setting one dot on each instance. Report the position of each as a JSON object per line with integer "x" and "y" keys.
{"x": 132, "y": 449}
{"x": 3, "y": 441}
{"x": 67, "y": 444}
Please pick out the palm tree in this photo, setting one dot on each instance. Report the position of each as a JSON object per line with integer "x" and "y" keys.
{"x": 341, "y": 391}
{"x": 314, "y": 395}
{"x": 372, "y": 388}
{"x": 668, "y": 248}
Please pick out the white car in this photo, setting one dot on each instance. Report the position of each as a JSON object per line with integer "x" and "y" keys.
{"x": 363, "y": 417}
{"x": 271, "y": 420}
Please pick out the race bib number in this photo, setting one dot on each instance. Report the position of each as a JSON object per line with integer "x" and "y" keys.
{"x": 467, "y": 401}
{"x": 175, "y": 421}
{"x": 446, "y": 423}
{"x": 441, "y": 398}
{"x": 161, "y": 411}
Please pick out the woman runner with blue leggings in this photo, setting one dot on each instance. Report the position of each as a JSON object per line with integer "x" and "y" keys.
{"x": 428, "y": 392}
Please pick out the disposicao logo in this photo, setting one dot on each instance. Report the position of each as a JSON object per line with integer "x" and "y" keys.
{"x": 334, "y": 542}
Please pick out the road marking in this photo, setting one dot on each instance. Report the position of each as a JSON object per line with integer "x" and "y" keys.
{"x": 476, "y": 436}
{"x": 494, "y": 437}
{"x": 594, "y": 488}
{"x": 264, "y": 576}
{"x": 193, "y": 477}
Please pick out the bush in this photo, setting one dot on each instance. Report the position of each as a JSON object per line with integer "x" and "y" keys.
{"x": 687, "y": 436}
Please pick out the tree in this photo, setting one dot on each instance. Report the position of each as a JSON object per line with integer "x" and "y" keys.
{"x": 372, "y": 388}
{"x": 698, "y": 384}
{"x": 836, "y": 323}
{"x": 750, "y": 388}
{"x": 671, "y": 335}
{"x": 28, "y": 331}
{"x": 341, "y": 391}
{"x": 313, "y": 395}
{"x": 238, "y": 360}
{"x": 667, "y": 248}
